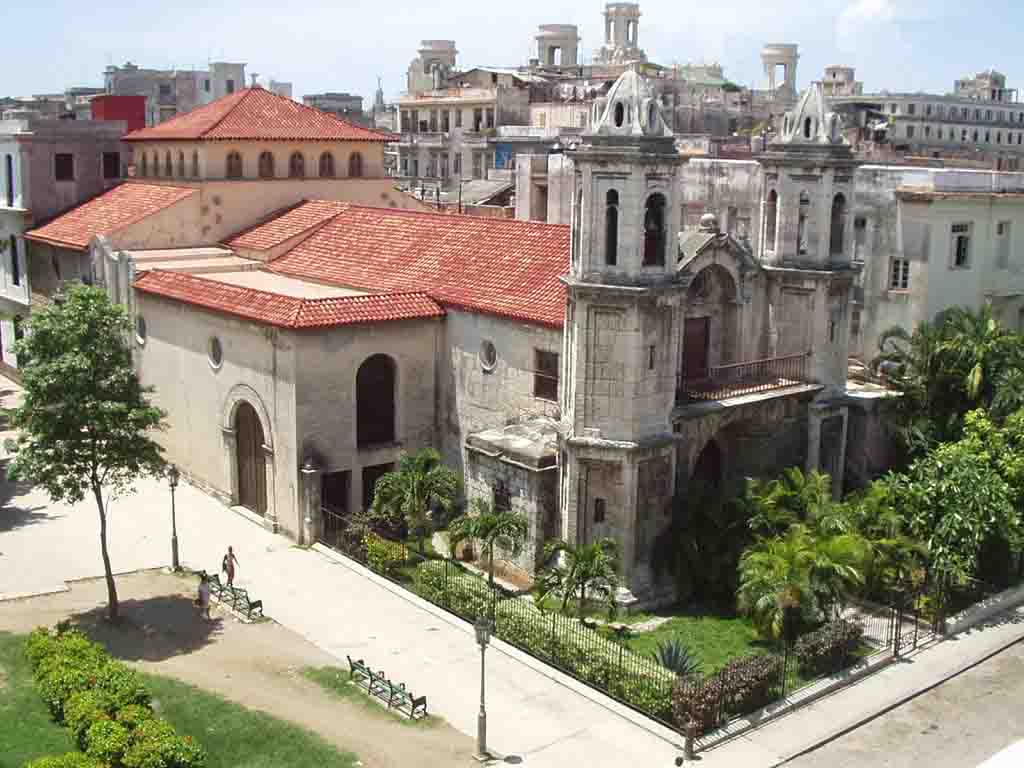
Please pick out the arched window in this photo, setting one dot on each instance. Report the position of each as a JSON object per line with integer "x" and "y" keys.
{"x": 144, "y": 166}
{"x": 234, "y": 170}
{"x": 611, "y": 228}
{"x": 801, "y": 224}
{"x": 195, "y": 165}
{"x": 838, "y": 225}
{"x": 326, "y": 166}
{"x": 181, "y": 165}
{"x": 654, "y": 231}
{"x": 355, "y": 165}
{"x": 296, "y": 166}
{"x": 771, "y": 219}
{"x": 375, "y": 401}
{"x": 266, "y": 165}
{"x": 168, "y": 168}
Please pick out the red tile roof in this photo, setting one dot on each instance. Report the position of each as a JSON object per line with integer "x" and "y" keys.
{"x": 285, "y": 225}
{"x": 115, "y": 209}
{"x": 257, "y": 114}
{"x": 287, "y": 311}
{"x": 503, "y": 267}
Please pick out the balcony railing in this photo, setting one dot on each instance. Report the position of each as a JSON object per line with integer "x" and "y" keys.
{"x": 724, "y": 381}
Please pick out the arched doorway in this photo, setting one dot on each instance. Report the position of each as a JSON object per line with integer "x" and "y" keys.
{"x": 252, "y": 469}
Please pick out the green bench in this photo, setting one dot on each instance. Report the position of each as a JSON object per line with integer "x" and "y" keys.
{"x": 236, "y": 597}
{"x": 395, "y": 696}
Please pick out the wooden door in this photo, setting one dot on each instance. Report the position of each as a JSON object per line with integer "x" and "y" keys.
{"x": 252, "y": 468}
{"x": 695, "y": 348}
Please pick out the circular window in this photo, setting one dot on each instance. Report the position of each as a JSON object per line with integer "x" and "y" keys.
{"x": 488, "y": 355}
{"x": 140, "y": 329}
{"x": 620, "y": 114}
{"x": 216, "y": 353}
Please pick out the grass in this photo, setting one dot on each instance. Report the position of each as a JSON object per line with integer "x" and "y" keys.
{"x": 26, "y": 730}
{"x": 232, "y": 735}
{"x": 715, "y": 639}
{"x": 336, "y": 681}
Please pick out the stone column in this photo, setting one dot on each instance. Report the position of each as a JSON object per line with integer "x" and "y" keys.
{"x": 231, "y": 458}
{"x": 312, "y": 519}
{"x": 268, "y": 464}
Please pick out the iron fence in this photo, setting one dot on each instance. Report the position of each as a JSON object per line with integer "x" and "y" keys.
{"x": 724, "y": 381}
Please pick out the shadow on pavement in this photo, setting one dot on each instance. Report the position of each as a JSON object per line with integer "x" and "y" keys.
{"x": 13, "y": 517}
{"x": 152, "y": 629}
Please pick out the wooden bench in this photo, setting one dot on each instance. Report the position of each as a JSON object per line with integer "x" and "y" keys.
{"x": 241, "y": 602}
{"x": 394, "y": 695}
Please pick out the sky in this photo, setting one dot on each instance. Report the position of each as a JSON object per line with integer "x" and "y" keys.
{"x": 896, "y": 45}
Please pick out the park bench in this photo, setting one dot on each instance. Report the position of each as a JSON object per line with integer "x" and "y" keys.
{"x": 241, "y": 602}
{"x": 394, "y": 695}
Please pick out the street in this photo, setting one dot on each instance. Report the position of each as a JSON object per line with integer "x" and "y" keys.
{"x": 959, "y": 724}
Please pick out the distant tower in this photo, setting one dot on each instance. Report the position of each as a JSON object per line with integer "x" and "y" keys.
{"x": 436, "y": 61}
{"x": 783, "y": 55}
{"x": 378, "y": 99}
{"x": 558, "y": 45}
{"x": 620, "y": 358}
{"x": 621, "y": 33}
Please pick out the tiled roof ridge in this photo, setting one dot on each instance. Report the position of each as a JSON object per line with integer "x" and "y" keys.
{"x": 246, "y": 92}
{"x": 233, "y": 241}
{"x": 464, "y": 216}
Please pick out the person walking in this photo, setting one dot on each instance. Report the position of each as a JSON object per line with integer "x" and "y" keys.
{"x": 229, "y": 564}
{"x": 204, "y": 596}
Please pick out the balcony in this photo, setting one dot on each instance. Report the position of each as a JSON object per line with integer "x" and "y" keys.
{"x": 721, "y": 382}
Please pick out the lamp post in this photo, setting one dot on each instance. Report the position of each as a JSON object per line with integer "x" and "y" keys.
{"x": 172, "y": 481}
{"x": 483, "y": 637}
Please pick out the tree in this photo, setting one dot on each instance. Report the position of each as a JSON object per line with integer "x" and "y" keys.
{"x": 408, "y": 494}
{"x": 586, "y": 569}
{"x": 503, "y": 528}
{"x": 956, "y": 500}
{"x": 86, "y": 422}
{"x": 802, "y": 573}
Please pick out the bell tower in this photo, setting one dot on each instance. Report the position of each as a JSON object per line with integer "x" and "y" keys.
{"x": 622, "y": 330}
{"x": 805, "y": 244}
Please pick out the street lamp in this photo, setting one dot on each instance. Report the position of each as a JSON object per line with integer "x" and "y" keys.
{"x": 172, "y": 481}
{"x": 483, "y": 637}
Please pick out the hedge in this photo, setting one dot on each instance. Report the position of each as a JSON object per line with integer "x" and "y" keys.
{"x": 105, "y": 705}
{"x": 739, "y": 688}
{"x": 828, "y": 649}
{"x": 559, "y": 640}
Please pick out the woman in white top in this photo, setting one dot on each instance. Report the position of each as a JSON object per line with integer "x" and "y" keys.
{"x": 204, "y": 597}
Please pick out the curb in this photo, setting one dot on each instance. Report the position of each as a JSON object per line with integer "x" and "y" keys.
{"x": 944, "y": 678}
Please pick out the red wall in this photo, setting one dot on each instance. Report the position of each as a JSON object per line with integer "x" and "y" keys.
{"x": 131, "y": 109}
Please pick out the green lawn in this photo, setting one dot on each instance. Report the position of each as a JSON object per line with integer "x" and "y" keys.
{"x": 26, "y": 731}
{"x": 715, "y": 639}
{"x": 336, "y": 680}
{"x": 232, "y": 735}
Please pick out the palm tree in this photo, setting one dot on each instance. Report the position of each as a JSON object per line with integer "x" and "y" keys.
{"x": 503, "y": 528}
{"x": 588, "y": 568}
{"x": 800, "y": 571}
{"x": 420, "y": 483}
{"x": 975, "y": 344}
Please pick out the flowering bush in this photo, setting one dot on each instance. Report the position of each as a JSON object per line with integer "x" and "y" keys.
{"x": 40, "y": 644}
{"x": 69, "y": 760}
{"x": 123, "y": 684}
{"x": 134, "y": 715}
{"x": 107, "y": 741}
{"x": 83, "y": 709}
{"x": 830, "y": 648}
{"x": 156, "y": 745}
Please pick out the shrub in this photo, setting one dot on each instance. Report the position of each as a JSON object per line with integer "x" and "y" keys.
{"x": 383, "y": 556}
{"x": 70, "y": 760}
{"x": 83, "y": 709}
{"x": 134, "y": 715}
{"x": 154, "y": 744}
{"x": 59, "y": 676}
{"x": 750, "y": 682}
{"x": 41, "y": 644}
{"x": 674, "y": 655}
{"x": 828, "y": 649}
{"x": 107, "y": 741}
{"x": 123, "y": 684}
{"x": 738, "y": 688}
{"x": 460, "y": 592}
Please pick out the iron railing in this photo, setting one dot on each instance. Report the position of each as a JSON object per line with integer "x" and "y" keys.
{"x": 721, "y": 382}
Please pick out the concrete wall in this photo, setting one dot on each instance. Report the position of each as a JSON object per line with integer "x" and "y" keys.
{"x": 328, "y": 362}
{"x": 258, "y": 367}
{"x": 474, "y": 399}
